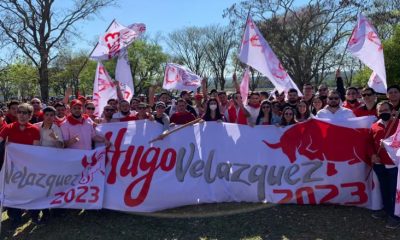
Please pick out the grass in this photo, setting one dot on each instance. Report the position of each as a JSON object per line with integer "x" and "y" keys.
{"x": 232, "y": 221}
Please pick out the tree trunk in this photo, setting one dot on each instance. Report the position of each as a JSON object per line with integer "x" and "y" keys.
{"x": 44, "y": 80}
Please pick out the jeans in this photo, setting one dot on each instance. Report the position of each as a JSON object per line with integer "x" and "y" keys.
{"x": 388, "y": 183}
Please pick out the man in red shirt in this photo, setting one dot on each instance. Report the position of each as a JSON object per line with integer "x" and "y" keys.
{"x": 182, "y": 116}
{"x": 21, "y": 132}
{"x": 369, "y": 107}
{"x": 351, "y": 101}
{"x": 11, "y": 115}
{"x": 383, "y": 166}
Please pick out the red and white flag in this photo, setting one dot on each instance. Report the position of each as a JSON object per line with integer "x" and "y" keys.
{"x": 123, "y": 75}
{"x": 244, "y": 85}
{"x": 180, "y": 78}
{"x": 256, "y": 52}
{"x": 117, "y": 37}
{"x": 103, "y": 89}
{"x": 365, "y": 44}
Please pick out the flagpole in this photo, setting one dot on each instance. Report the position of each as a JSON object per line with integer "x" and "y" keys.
{"x": 347, "y": 45}
{"x": 87, "y": 59}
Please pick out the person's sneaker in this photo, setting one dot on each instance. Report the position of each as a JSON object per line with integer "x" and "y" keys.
{"x": 393, "y": 223}
{"x": 379, "y": 214}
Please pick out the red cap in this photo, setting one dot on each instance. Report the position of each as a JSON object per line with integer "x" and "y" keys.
{"x": 75, "y": 102}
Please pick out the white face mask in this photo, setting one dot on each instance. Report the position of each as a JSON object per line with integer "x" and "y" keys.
{"x": 213, "y": 107}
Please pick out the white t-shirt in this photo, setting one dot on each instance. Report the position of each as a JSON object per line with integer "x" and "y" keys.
{"x": 340, "y": 114}
{"x": 45, "y": 139}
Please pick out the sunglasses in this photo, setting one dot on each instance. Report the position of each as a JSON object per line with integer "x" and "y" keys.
{"x": 367, "y": 94}
{"x": 333, "y": 98}
{"x": 90, "y": 108}
{"x": 109, "y": 110}
{"x": 23, "y": 112}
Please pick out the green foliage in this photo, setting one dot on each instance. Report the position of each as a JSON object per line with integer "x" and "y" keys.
{"x": 19, "y": 80}
{"x": 147, "y": 62}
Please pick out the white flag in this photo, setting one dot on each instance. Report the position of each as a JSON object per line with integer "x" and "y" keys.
{"x": 124, "y": 76}
{"x": 103, "y": 89}
{"x": 256, "y": 52}
{"x": 117, "y": 37}
{"x": 365, "y": 44}
{"x": 244, "y": 86}
{"x": 180, "y": 78}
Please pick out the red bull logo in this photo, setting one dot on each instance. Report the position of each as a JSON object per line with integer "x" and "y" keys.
{"x": 323, "y": 141}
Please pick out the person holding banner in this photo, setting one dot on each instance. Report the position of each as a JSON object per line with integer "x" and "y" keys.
{"x": 50, "y": 133}
{"x": 333, "y": 110}
{"x": 287, "y": 117}
{"x": 21, "y": 132}
{"x": 236, "y": 112}
{"x": 212, "y": 112}
{"x": 253, "y": 107}
{"x": 265, "y": 115}
{"x": 182, "y": 115}
{"x": 78, "y": 132}
{"x": 302, "y": 111}
{"x": 383, "y": 166}
{"x": 107, "y": 114}
{"x": 160, "y": 116}
{"x": 369, "y": 108}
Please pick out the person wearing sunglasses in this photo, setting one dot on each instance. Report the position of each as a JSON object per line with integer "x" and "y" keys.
{"x": 287, "y": 118}
{"x": 21, "y": 132}
{"x": 323, "y": 92}
{"x": 143, "y": 113}
{"x": 333, "y": 110}
{"x": 89, "y": 111}
{"x": 369, "y": 107}
{"x": 351, "y": 101}
{"x": 265, "y": 115}
{"x": 108, "y": 112}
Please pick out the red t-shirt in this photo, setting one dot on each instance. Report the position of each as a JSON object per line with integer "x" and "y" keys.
{"x": 377, "y": 133}
{"x": 363, "y": 111}
{"x": 182, "y": 117}
{"x": 16, "y": 135}
{"x": 352, "y": 107}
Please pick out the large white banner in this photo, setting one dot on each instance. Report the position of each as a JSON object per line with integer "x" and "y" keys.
{"x": 41, "y": 177}
{"x": 313, "y": 162}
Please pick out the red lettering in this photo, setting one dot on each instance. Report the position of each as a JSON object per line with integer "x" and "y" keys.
{"x": 360, "y": 192}
{"x": 334, "y": 191}
{"x": 138, "y": 160}
{"x": 310, "y": 195}
{"x": 287, "y": 198}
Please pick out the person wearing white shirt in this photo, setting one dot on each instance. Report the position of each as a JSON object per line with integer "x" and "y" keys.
{"x": 50, "y": 133}
{"x": 333, "y": 110}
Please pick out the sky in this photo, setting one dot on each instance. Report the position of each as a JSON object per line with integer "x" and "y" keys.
{"x": 160, "y": 16}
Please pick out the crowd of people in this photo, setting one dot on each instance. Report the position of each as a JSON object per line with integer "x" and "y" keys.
{"x": 72, "y": 124}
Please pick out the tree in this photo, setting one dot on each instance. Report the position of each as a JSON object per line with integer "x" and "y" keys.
{"x": 147, "y": 64}
{"x": 306, "y": 38}
{"x": 188, "y": 45}
{"x": 38, "y": 29}
{"x": 220, "y": 41}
